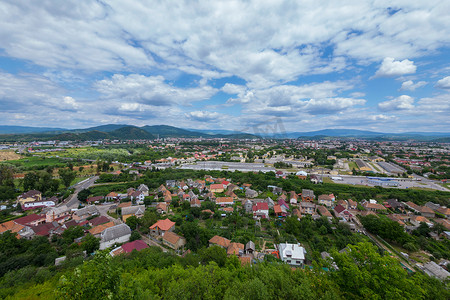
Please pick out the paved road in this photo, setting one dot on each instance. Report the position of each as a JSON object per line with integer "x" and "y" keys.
{"x": 103, "y": 210}
{"x": 72, "y": 201}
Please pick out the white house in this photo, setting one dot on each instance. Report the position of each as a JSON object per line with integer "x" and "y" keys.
{"x": 292, "y": 254}
{"x": 117, "y": 234}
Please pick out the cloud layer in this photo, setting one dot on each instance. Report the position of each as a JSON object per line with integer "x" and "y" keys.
{"x": 223, "y": 63}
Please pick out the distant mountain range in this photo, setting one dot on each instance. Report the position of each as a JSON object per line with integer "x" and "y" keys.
{"x": 123, "y": 131}
{"x": 110, "y": 131}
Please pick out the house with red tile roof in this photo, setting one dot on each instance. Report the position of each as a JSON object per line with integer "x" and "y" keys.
{"x": 137, "y": 245}
{"x": 219, "y": 241}
{"x": 31, "y": 220}
{"x": 261, "y": 210}
{"x": 98, "y": 220}
{"x": 162, "y": 226}
{"x": 216, "y": 188}
{"x": 223, "y": 201}
{"x": 173, "y": 240}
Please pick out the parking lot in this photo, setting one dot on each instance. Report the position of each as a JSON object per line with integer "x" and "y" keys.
{"x": 403, "y": 183}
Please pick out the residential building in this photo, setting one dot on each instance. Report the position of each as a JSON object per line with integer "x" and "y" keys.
{"x": 434, "y": 270}
{"x": 129, "y": 247}
{"x": 161, "y": 208}
{"x": 308, "y": 208}
{"x": 144, "y": 189}
{"x": 219, "y": 241}
{"x": 216, "y": 188}
{"x": 137, "y": 197}
{"x": 30, "y": 196}
{"x": 324, "y": 211}
{"x": 249, "y": 193}
{"x": 57, "y": 213}
{"x": 224, "y": 201}
{"x": 137, "y": 211}
{"x": 85, "y": 212}
{"x": 308, "y": 195}
{"x": 97, "y": 230}
{"x": 327, "y": 200}
{"x": 293, "y": 197}
{"x": 261, "y": 210}
{"x": 113, "y": 235}
{"x": 292, "y": 254}
{"x": 161, "y": 227}
{"x": 174, "y": 240}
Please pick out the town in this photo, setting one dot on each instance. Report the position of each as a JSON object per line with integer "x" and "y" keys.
{"x": 292, "y": 202}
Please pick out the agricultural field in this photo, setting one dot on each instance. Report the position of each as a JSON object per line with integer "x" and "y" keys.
{"x": 9, "y": 155}
{"x": 36, "y": 163}
{"x": 91, "y": 153}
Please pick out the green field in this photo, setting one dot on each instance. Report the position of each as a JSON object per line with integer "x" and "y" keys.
{"x": 33, "y": 162}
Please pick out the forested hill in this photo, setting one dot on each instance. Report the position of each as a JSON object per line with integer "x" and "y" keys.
{"x": 151, "y": 274}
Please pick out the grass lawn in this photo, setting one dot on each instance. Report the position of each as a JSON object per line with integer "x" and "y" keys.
{"x": 327, "y": 180}
{"x": 352, "y": 165}
{"x": 78, "y": 179}
{"x": 113, "y": 214}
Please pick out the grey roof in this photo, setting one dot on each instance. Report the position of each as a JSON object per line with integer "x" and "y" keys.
{"x": 115, "y": 232}
{"x": 133, "y": 210}
{"x": 307, "y": 193}
{"x": 143, "y": 188}
{"x": 250, "y": 245}
{"x": 88, "y": 210}
{"x": 433, "y": 269}
{"x": 58, "y": 210}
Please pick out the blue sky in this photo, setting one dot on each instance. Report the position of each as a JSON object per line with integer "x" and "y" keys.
{"x": 371, "y": 65}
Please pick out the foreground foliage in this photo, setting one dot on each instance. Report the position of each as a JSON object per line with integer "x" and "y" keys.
{"x": 152, "y": 274}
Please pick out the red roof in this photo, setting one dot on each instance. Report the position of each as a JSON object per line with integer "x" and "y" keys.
{"x": 164, "y": 225}
{"x": 261, "y": 206}
{"x": 277, "y": 209}
{"x": 225, "y": 182}
{"x": 137, "y": 245}
{"x": 99, "y": 220}
{"x": 43, "y": 229}
{"x": 28, "y": 219}
{"x": 93, "y": 199}
{"x": 217, "y": 186}
{"x": 339, "y": 208}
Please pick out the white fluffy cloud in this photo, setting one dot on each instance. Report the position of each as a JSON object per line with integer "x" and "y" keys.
{"x": 403, "y": 102}
{"x": 392, "y": 67}
{"x": 444, "y": 83}
{"x": 151, "y": 90}
{"x": 262, "y": 42}
{"x": 409, "y": 85}
{"x": 330, "y": 105}
{"x": 203, "y": 116}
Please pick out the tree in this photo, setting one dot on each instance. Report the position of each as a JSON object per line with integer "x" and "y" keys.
{"x": 83, "y": 195}
{"x": 364, "y": 273}
{"x": 135, "y": 236}
{"x": 72, "y": 233}
{"x": 30, "y": 180}
{"x": 67, "y": 176}
{"x": 7, "y": 175}
{"x": 214, "y": 253}
{"x": 90, "y": 243}
{"x": 133, "y": 222}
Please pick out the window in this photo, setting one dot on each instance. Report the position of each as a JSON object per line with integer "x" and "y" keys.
{"x": 288, "y": 261}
